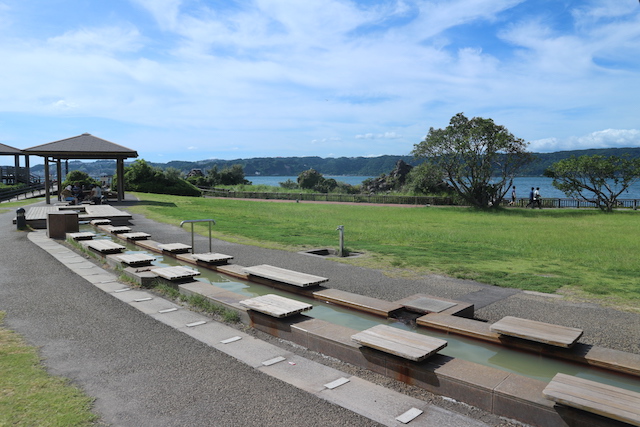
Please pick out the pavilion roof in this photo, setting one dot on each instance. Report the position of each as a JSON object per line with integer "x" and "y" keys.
{"x": 6, "y": 150}
{"x": 85, "y": 146}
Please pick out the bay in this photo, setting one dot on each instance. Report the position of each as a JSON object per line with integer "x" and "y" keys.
{"x": 276, "y": 180}
{"x": 523, "y": 185}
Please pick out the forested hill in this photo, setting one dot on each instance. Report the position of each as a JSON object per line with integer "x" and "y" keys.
{"x": 293, "y": 166}
{"x": 361, "y": 166}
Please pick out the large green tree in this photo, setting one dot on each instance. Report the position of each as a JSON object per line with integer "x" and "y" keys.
{"x": 478, "y": 158}
{"x": 596, "y": 178}
{"x": 141, "y": 176}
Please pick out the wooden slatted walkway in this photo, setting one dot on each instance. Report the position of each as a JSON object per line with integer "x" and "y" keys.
{"x": 405, "y": 344}
{"x": 104, "y": 246}
{"x": 176, "y": 273}
{"x": 282, "y": 275}
{"x": 602, "y": 399}
{"x": 275, "y": 305}
{"x": 547, "y": 333}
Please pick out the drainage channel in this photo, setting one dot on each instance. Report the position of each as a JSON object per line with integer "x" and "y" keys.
{"x": 476, "y": 351}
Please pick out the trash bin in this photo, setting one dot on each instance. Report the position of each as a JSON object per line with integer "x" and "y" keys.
{"x": 21, "y": 219}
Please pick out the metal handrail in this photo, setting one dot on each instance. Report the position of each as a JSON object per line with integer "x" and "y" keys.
{"x": 191, "y": 221}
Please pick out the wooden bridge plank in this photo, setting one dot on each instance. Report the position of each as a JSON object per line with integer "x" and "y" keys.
{"x": 546, "y": 333}
{"x": 210, "y": 258}
{"x": 175, "y": 273}
{"x": 175, "y": 247}
{"x": 137, "y": 235}
{"x": 136, "y": 259}
{"x": 602, "y": 399}
{"x": 289, "y": 277}
{"x": 275, "y": 305}
{"x": 104, "y": 246}
{"x": 406, "y": 344}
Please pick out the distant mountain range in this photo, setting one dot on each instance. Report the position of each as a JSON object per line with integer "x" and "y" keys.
{"x": 355, "y": 166}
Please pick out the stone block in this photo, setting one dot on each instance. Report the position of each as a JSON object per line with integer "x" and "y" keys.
{"x": 61, "y": 223}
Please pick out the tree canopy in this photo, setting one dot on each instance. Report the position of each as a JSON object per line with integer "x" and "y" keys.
{"x": 141, "y": 176}
{"x": 596, "y": 178}
{"x": 478, "y": 158}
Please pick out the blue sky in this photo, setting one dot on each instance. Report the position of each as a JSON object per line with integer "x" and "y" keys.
{"x": 201, "y": 79}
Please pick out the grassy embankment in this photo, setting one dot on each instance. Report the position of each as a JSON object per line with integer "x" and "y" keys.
{"x": 31, "y": 397}
{"x": 582, "y": 252}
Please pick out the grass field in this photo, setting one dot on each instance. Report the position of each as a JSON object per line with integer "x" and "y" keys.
{"x": 542, "y": 250}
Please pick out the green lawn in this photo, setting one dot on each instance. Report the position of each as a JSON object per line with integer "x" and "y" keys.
{"x": 541, "y": 250}
{"x": 31, "y": 397}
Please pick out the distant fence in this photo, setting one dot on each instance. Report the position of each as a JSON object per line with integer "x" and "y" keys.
{"x": 27, "y": 192}
{"x": 574, "y": 203}
{"x": 399, "y": 200}
{"x": 330, "y": 197}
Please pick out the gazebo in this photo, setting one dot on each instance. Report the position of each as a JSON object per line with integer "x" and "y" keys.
{"x": 17, "y": 174}
{"x": 85, "y": 146}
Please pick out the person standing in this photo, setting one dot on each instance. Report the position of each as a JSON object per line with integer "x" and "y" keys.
{"x": 530, "y": 198}
{"x": 513, "y": 196}
{"x": 96, "y": 194}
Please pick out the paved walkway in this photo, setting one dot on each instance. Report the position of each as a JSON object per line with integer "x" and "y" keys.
{"x": 147, "y": 368}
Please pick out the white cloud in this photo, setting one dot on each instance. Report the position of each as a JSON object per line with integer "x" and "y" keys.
{"x": 385, "y": 135}
{"x": 63, "y": 105}
{"x": 607, "y": 138}
{"x": 105, "y": 39}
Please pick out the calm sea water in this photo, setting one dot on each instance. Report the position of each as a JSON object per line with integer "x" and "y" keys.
{"x": 523, "y": 185}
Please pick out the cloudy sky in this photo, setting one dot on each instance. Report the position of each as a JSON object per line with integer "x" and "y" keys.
{"x": 200, "y": 79}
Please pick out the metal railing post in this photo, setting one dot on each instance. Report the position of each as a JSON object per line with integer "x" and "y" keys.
{"x": 192, "y": 221}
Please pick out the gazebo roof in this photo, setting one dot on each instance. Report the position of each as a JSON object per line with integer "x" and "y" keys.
{"x": 85, "y": 146}
{"x": 7, "y": 150}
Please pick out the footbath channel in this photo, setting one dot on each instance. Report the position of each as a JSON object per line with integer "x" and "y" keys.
{"x": 469, "y": 349}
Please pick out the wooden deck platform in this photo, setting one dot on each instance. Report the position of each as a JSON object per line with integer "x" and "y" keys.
{"x": 609, "y": 401}
{"x": 175, "y": 248}
{"x": 275, "y": 305}
{"x": 104, "y": 246}
{"x": 136, "y": 260}
{"x": 282, "y": 275}
{"x": 36, "y": 216}
{"x": 359, "y": 302}
{"x": 405, "y": 344}
{"x": 83, "y": 235}
{"x": 547, "y": 333}
{"x": 176, "y": 273}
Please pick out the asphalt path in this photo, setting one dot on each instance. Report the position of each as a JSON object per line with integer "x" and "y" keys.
{"x": 142, "y": 372}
